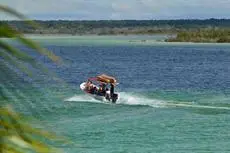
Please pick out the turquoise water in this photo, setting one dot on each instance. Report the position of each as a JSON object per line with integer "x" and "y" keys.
{"x": 174, "y": 97}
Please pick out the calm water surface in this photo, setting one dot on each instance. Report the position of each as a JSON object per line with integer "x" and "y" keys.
{"x": 174, "y": 97}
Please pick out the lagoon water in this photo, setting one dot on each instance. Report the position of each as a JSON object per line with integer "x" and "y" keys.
{"x": 174, "y": 97}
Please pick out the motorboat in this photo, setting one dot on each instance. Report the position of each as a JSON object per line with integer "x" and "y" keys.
{"x": 101, "y": 88}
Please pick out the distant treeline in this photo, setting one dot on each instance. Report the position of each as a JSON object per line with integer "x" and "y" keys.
{"x": 187, "y": 30}
{"x": 111, "y": 27}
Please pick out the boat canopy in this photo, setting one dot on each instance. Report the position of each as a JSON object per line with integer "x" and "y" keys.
{"x": 106, "y": 79}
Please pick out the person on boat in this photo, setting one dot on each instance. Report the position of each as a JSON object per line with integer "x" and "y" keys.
{"x": 102, "y": 89}
{"x": 111, "y": 89}
{"x": 107, "y": 93}
{"x": 93, "y": 90}
{"x": 89, "y": 85}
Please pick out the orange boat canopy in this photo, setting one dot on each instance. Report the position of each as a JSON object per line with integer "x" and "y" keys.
{"x": 106, "y": 79}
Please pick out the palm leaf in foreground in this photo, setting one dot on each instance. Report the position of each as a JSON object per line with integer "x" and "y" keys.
{"x": 14, "y": 13}
{"x": 20, "y": 135}
{"x": 15, "y": 135}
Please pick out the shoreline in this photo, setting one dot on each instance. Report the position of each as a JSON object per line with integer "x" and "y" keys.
{"x": 143, "y": 38}
{"x": 156, "y": 34}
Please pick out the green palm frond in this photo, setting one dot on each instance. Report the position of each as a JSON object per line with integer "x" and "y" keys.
{"x": 7, "y": 31}
{"x": 17, "y": 133}
{"x": 16, "y": 136}
{"x": 43, "y": 51}
{"x": 15, "y": 63}
{"x": 14, "y": 13}
{"x": 15, "y": 52}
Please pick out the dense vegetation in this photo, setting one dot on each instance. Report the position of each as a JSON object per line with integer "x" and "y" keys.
{"x": 117, "y": 26}
{"x": 209, "y": 30}
{"x": 203, "y": 35}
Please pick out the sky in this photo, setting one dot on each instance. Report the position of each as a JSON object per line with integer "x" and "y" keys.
{"x": 118, "y": 9}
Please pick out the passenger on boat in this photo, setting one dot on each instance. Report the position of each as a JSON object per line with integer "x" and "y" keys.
{"x": 102, "y": 89}
{"x": 93, "y": 90}
{"x": 89, "y": 85}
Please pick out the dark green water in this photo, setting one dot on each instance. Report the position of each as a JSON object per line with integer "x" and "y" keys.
{"x": 173, "y": 97}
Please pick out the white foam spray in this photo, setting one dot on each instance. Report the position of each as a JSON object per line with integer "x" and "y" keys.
{"x": 135, "y": 99}
{"x": 124, "y": 99}
{"x": 80, "y": 98}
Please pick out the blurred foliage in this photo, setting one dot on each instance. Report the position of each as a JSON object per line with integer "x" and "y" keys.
{"x": 16, "y": 136}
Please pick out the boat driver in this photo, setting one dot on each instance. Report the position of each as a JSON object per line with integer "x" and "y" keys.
{"x": 111, "y": 89}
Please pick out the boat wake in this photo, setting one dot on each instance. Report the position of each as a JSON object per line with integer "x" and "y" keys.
{"x": 140, "y": 100}
{"x": 125, "y": 99}
{"x": 134, "y": 99}
{"x": 81, "y": 98}
{"x": 196, "y": 106}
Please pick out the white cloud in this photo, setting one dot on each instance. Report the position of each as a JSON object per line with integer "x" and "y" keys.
{"x": 120, "y": 9}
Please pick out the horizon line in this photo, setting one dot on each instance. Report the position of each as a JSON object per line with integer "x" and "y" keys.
{"x": 119, "y": 19}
